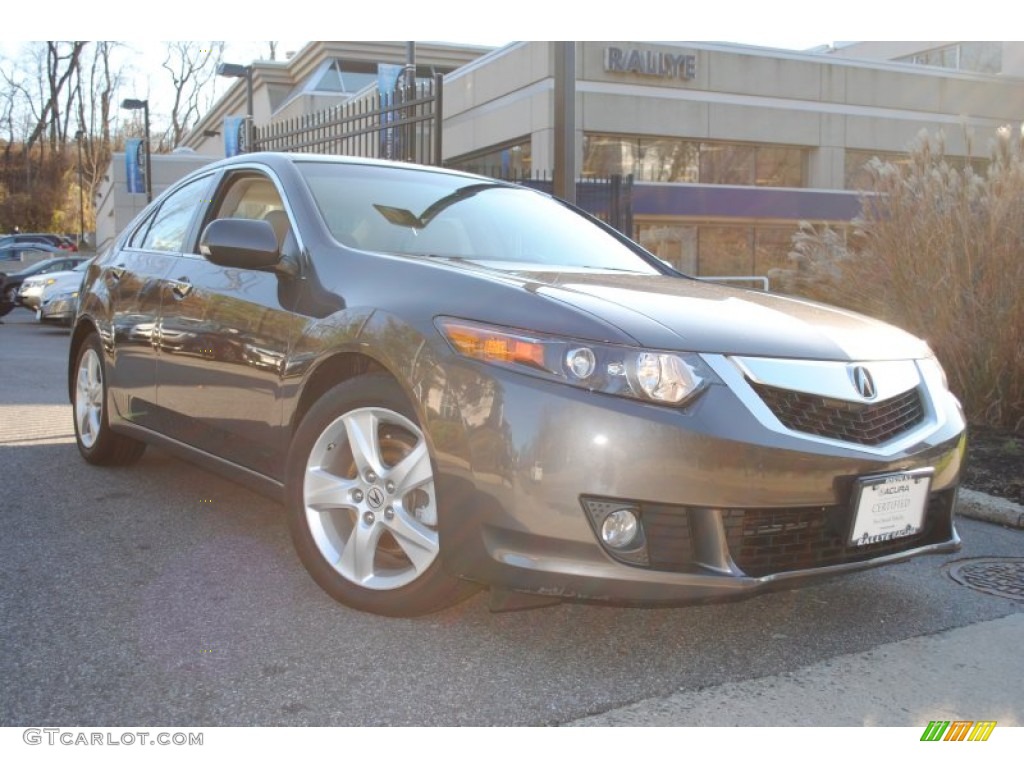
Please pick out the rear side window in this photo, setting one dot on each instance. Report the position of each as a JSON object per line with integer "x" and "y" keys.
{"x": 171, "y": 224}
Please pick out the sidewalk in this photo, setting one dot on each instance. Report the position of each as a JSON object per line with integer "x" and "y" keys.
{"x": 992, "y": 509}
{"x": 970, "y": 673}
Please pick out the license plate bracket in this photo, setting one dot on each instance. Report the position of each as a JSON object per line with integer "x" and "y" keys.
{"x": 890, "y": 506}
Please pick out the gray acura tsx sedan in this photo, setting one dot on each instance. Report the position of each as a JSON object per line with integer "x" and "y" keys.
{"x": 452, "y": 381}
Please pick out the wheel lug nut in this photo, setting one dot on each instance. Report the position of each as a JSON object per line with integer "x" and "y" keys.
{"x": 331, "y": 446}
{"x": 390, "y": 486}
{"x": 371, "y": 477}
{"x": 389, "y": 513}
{"x": 357, "y": 495}
{"x": 368, "y": 518}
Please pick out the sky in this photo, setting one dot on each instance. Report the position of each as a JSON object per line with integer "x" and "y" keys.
{"x": 789, "y": 24}
{"x": 779, "y": 23}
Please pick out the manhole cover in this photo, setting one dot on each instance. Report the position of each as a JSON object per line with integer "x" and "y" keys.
{"x": 1000, "y": 576}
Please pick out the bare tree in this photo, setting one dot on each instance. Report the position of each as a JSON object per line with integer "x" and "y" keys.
{"x": 95, "y": 105}
{"x": 192, "y": 65}
{"x": 272, "y": 48}
{"x": 62, "y": 61}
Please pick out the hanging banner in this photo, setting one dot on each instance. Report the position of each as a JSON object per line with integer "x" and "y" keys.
{"x": 387, "y": 82}
{"x": 234, "y": 136}
{"x": 135, "y": 165}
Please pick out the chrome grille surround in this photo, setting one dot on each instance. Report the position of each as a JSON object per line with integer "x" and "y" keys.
{"x": 831, "y": 380}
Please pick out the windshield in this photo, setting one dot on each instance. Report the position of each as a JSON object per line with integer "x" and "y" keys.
{"x": 422, "y": 213}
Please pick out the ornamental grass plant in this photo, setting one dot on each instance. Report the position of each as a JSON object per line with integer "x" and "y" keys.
{"x": 939, "y": 251}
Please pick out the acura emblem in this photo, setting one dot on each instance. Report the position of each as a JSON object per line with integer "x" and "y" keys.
{"x": 375, "y": 496}
{"x": 863, "y": 382}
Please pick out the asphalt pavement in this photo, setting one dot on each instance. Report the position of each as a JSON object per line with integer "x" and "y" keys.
{"x": 164, "y": 594}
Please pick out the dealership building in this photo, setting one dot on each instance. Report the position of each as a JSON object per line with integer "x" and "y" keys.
{"x": 729, "y": 146}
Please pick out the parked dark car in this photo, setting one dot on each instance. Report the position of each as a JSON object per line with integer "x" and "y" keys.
{"x": 63, "y": 242}
{"x": 451, "y": 380}
{"x": 11, "y": 283}
{"x": 19, "y": 252}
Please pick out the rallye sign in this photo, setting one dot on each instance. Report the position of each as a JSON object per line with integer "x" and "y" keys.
{"x": 670, "y": 66}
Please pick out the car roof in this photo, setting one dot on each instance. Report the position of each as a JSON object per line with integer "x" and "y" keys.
{"x": 275, "y": 159}
{"x": 32, "y": 268}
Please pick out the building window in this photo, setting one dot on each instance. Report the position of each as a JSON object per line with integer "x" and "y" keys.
{"x": 509, "y": 161}
{"x": 734, "y": 250}
{"x": 985, "y": 57}
{"x": 693, "y": 162}
{"x": 725, "y": 251}
{"x": 675, "y": 244}
{"x": 859, "y": 177}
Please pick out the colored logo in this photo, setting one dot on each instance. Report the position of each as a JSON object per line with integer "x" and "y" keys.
{"x": 958, "y": 730}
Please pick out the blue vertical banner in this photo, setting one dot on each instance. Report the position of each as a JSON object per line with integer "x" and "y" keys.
{"x": 387, "y": 81}
{"x": 135, "y": 165}
{"x": 234, "y": 136}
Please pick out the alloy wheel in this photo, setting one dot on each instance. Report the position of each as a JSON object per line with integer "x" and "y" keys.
{"x": 89, "y": 397}
{"x": 368, "y": 493}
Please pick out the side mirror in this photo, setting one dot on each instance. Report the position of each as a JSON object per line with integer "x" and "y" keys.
{"x": 241, "y": 243}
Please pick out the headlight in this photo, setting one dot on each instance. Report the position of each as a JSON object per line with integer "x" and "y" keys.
{"x": 649, "y": 375}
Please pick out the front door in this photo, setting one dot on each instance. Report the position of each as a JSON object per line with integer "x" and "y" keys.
{"x": 224, "y": 338}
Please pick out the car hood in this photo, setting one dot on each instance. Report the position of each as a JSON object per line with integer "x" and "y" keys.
{"x": 680, "y": 313}
{"x": 65, "y": 281}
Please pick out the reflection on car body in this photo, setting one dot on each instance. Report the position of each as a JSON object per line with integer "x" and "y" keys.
{"x": 452, "y": 381}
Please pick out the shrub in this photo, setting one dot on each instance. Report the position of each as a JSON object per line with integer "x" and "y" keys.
{"x": 938, "y": 250}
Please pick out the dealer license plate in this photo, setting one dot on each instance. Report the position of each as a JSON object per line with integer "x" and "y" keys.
{"x": 889, "y": 507}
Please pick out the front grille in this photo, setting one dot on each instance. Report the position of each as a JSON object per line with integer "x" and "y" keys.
{"x": 864, "y": 423}
{"x": 767, "y": 541}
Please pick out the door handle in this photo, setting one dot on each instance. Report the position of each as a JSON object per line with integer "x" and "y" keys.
{"x": 181, "y": 287}
{"x": 117, "y": 271}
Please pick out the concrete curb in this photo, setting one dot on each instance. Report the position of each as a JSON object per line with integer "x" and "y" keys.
{"x": 992, "y": 509}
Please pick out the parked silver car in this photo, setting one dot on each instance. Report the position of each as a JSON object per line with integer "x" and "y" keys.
{"x": 58, "y": 301}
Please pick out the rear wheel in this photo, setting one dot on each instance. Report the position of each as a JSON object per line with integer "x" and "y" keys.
{"x": 97, "y": 443}
{"x": 363, "y": 507}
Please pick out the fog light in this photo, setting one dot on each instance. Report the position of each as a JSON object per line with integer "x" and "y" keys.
{"x": 620, "y": 528}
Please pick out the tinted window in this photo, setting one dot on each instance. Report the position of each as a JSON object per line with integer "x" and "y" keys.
{"x": 253, "y": 196}
{"x": 139, "y": 235}
{"x": 167, "y": 233}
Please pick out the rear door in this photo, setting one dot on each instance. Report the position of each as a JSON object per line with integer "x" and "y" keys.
{"x": 133, "y": 280}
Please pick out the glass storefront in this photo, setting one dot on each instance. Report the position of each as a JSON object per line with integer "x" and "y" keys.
{"x": 857, "y": 175}
{"x": 727, "y": 250}
{"x": 693, "y": 162}
{"x": 510, "y": 161}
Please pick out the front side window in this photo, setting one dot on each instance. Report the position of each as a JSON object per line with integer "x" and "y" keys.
{"x": 170, "y": 226}
{"x": 250, "y": 195}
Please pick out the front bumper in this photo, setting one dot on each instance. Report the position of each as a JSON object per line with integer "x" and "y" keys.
{"x": 30, "y": 298}
{"x": 58, "y": 310}
{"x": 717, "y": 491}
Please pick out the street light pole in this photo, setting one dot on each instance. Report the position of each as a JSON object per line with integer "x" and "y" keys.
{"x": 143, "y": 104}
{"x": 81, "y": 192}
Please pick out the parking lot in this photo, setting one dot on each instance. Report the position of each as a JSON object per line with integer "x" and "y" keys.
{"x": 165, "y": 594}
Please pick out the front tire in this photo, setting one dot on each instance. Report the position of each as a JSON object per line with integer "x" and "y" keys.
{"x": 97, "y": 442}
{"x": 362, "y": 502}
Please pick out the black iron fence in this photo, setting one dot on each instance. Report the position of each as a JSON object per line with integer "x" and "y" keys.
{"x": 608, "y": 198}
{"x": 405, "y": 125}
